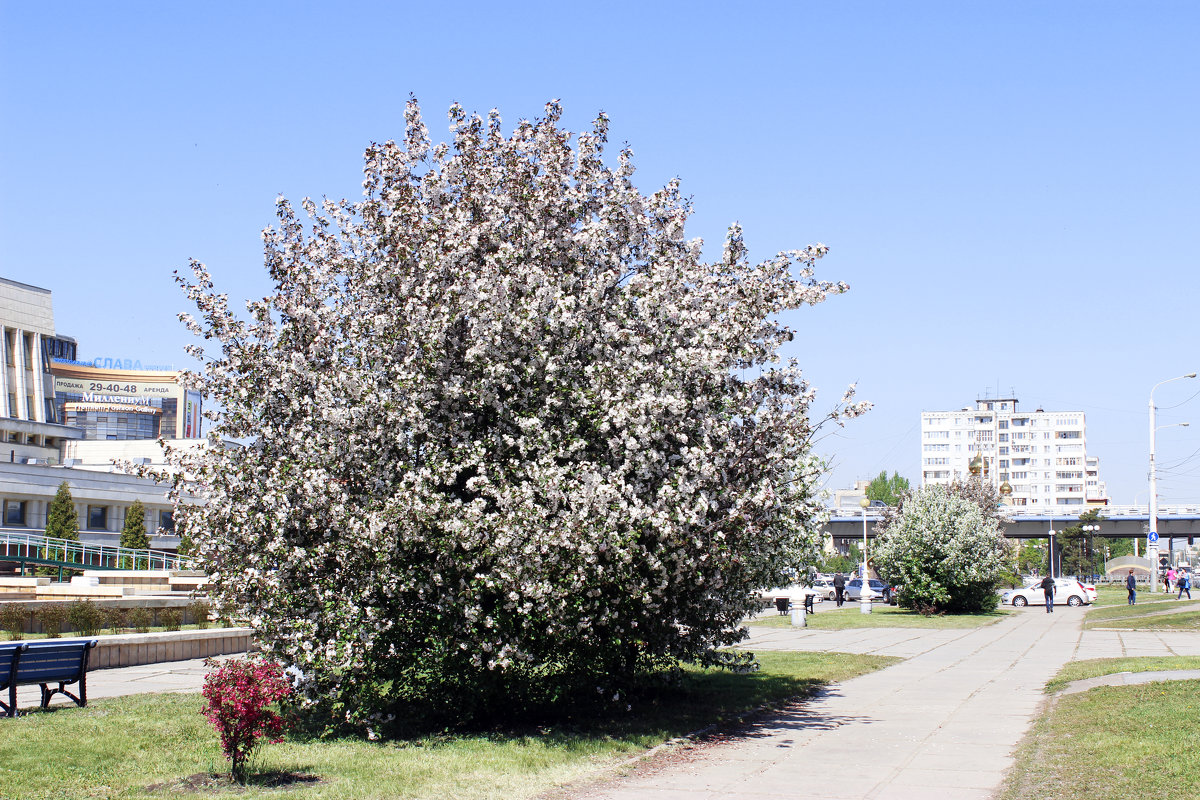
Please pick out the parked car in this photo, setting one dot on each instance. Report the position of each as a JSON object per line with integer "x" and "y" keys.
{"x": 824, "y": 589}
{"x": 1067, "y": 591}
{"x": 880, "y": 590}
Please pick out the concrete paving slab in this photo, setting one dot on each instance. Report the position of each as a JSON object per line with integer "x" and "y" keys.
{"x": 917, "y": 723}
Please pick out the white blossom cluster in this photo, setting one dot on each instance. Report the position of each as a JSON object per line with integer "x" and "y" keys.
{"x": 501, "y": 420}
{"x": 944, "y": 550}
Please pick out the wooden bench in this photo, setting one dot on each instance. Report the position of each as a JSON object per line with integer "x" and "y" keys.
{"x": 44, "y": 663}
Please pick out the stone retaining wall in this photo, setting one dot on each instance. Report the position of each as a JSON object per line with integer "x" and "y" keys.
{"x": 132, "y": 649}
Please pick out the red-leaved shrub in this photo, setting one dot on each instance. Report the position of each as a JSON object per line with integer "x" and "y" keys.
{"x": 239, "y": 694}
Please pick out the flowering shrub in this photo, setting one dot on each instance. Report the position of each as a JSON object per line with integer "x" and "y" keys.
{"x": 508, "y": 435}
{"x": 238, "y": 695}
{"x": 945, "y": 552}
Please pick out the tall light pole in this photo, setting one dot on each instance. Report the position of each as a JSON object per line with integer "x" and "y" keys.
{"x": 864, "y": 593}
{"x": 1051, "y": 545}
{"x": 1089, "y": 530}
{"x": 1152, "y": 538}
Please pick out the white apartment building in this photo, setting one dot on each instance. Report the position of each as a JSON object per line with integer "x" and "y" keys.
{"x": 1040, "y": 455}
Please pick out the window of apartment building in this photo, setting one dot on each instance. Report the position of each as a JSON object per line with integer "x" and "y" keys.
{"x": 937, "y": 434}
{"x": 1003, "y": 451}
{"x": 1003, "y": 425}
{"x": 1068, "y": 475}
{"x": 1004, "y": 463}
{"x": 1018, "y": 476}
{"x": 97, "y": 518}
{"x": 14, "y": 513}
{"x": 983, "y": 436}
{"x": 28, "y": 342}
{"x": 1002, "y": 437}
{"x": 12, "y": 404}
{"x": 166, "y": 521}
{"x": 1069, "y": 435}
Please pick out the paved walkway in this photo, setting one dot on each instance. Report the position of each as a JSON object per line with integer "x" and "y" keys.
{"x": 171, "y": 676}
{"x": 944, "y": 721}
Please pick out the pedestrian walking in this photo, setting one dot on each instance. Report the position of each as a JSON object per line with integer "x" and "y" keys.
{"x": 1048, "y": 590}
{"x": 839, "y": 588}
{"x": 1184, "y": 582}
{"x": 1131, "y": 585}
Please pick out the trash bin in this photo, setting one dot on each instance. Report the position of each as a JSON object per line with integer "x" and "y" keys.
{"x": 781, "y": 605}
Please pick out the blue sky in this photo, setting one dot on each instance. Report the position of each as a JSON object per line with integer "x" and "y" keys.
{"x": 1009, "y": 188}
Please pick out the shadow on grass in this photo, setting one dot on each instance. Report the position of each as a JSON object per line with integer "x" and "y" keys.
{"x": 214, "y": 782}
{"x": 657, "y": 709}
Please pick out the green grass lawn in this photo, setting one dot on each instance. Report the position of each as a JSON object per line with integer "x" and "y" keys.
{"x": 1157, "y": 612}
{"x": 1124, "y": 743}
{"x": 881, "y": 616}
{"x": 1095, "y": 667}
{"x": 119, "y": 748}
{"x": 1187, "y": 621}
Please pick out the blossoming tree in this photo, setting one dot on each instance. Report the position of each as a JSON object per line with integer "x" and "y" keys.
{"x": 945, "y": 550}
{"x": 506, "y": 431}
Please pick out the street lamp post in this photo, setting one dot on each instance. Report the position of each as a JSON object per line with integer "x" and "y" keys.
{"x": 1089, "y": 530}
{"x": 1152, "y": 549}
{"x": 865, "y": 593}
{"x": 1051, "y": 533}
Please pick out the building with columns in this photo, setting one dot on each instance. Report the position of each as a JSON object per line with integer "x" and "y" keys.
{"x": 30, "y": 428}
{"x": 63, "y": 420}
{"x": 101, "y": 501}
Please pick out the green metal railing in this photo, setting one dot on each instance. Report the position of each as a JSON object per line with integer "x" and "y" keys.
{"x": 37, "y": 549}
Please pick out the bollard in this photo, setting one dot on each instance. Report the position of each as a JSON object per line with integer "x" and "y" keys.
{"x": 798, "y": 616}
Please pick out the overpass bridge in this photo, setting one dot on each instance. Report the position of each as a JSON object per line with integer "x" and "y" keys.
{"x": 1117, "y": 522}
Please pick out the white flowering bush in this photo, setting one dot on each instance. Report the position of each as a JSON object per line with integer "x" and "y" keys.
{"x": 944, "y": 551}
{"x": 507, "y": 434}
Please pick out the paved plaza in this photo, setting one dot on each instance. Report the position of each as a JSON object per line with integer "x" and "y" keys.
{"x": 946, "y": 719}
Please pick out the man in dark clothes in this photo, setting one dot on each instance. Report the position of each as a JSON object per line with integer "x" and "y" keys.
{"x": 1131, "y": 585}
{"x": 1048, "y": 588}
{"x": 839, "y": 588}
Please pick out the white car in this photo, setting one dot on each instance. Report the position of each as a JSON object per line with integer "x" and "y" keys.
{"x": 824, "y": 589}
{"x": 1067, "y": 591}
